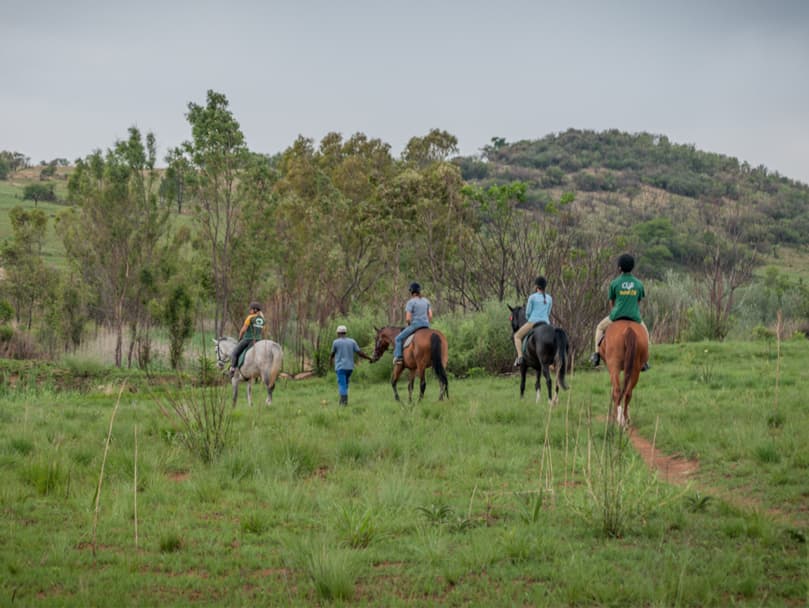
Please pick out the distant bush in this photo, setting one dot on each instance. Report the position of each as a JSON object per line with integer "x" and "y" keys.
{"x": 39, "y": 192}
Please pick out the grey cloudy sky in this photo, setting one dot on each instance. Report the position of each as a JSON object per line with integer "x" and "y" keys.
{"x": 727, "y": 76}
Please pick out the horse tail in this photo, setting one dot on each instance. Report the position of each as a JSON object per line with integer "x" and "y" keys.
{"x": 561, "y": 353}
{"x": 277, "y": 360}
{"x": 630, "y": 350}
{"x": 437, "y": 355}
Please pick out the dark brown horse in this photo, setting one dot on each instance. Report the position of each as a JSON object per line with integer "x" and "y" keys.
{"x": 545, "y": 346}
{"x": 625, "y": 348}
{"x": 427, "y": 348}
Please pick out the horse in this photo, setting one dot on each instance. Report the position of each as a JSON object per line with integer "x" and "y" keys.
{"x": 545, "y": 345}
{"x": 625, "y": 348}
{"x": 425, "y": 348}
{"x": 263, "y": 360}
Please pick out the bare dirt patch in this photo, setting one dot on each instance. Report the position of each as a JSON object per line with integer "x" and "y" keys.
{"x": 671, "y": 469}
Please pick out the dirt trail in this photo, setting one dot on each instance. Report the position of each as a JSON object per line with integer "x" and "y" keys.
{"x": 680, "y": 471}
{"x": 670, "y": 468}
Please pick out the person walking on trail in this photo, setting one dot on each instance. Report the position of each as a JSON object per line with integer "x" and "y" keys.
{"x": 251, "y": 332}
{"x": 418, "y": 314}
{"x": 342, "y": 357}
{"x": 537, "y": 310}
{"x": 625, "y": 294}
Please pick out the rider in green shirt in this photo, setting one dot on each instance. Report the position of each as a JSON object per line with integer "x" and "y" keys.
{"x": 626, "y": 292}
{"x": 251, "y": 332}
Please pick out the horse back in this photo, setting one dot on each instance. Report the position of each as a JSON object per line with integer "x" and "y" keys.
{"x": 614, "y": 345}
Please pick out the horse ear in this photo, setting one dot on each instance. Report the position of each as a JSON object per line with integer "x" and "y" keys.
{"x": 376, "y": 329}
{"x": 510, "y": 308}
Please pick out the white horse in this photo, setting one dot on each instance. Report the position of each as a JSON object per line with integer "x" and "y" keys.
{"x": 263, "y": 361}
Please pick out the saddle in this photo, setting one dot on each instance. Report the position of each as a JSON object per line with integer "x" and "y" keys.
{"x": 409, "y": 338}
{"x": 525, "y": 339}
{"x": 243, "y": 355}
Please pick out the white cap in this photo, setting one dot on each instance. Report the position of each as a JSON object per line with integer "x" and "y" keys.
{"x": 341, "y": 329}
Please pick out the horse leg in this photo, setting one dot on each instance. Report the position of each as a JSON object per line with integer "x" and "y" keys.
{"x": 397, "y": 371}
{"x": 410, "y": 381}
{"x": 547, "y": 373}
{"x": 250, "y": 392}
{"x": 538, "y": 385}
{"x": 423, "y": 382}
{"x": 265, "y": 376}
{"x": 523, "y": 371}
{"x": 616, "y": 411}
{"x": 235, "y": 383}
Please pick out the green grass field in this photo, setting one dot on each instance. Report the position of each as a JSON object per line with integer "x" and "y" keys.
{"x": 485, "y": 500}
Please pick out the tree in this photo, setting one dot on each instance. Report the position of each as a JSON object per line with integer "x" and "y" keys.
{"x": 38, "y": 192}
{"x": 216, "y": 156}
{"x": 113, "y": 234}
{"x": 28, "y": 280}
{"x": 178, "y": 319}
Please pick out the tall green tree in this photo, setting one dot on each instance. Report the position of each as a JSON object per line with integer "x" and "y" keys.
{"x": 112, "y": 235}
{"x": 217, "y": 156}
{"x": 28, "y": 279}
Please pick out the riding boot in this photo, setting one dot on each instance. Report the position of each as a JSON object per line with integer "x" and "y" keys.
{"x": 595, "y": 359}
{"x": 343, "y": 400}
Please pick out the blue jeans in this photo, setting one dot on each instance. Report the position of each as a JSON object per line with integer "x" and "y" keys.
{"x": 343, "y": 378}
{"x": 399, "y": 341}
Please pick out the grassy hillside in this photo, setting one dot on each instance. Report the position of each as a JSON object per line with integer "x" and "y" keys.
{"x": 10, "y": 197}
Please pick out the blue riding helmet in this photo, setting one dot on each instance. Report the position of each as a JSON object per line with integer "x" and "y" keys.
{"x": 415, "y": 288}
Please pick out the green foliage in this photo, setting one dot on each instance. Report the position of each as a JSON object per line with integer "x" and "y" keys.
{"x": 205, "y": 417}
{"x": 39, "y": 192}
{"x": 178, "y": 317}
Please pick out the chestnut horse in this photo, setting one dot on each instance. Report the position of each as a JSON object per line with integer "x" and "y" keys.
{"x": 625, "y": 348}
{"x": 427, "y": 348}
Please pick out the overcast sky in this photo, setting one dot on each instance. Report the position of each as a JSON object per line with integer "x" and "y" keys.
{"x": 729, "y": 76}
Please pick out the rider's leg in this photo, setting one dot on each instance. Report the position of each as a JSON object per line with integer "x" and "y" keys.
{"x": 601, "y": 329}
{"x": 234, "y": 356}
{"x": 519, "y": 335}
{"x": 398, "y": 342}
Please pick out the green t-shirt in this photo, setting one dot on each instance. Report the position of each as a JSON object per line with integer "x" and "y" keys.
{"x": 626, "y": 291}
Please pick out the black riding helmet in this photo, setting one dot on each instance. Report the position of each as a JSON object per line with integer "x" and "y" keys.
{"x": 255, "y": 306}
{"x": 415, "y": 288}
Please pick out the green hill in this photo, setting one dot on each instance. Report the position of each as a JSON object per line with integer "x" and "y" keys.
{"x": 625, "y": 180}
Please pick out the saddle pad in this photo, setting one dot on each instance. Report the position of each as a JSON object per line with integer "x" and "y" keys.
{"x": 244, "y": 354}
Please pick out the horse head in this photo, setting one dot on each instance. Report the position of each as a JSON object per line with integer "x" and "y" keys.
{"x": 383, "y": 340}
{"x": 517, "y": 317}
{"x": 223, "y": 347}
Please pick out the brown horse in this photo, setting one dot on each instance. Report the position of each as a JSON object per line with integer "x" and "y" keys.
{"x": 427, "y": 348}
{"x": 625, "y": 348}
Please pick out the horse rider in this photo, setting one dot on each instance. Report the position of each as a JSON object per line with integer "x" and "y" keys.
{"x": 626, "y": 292}
{"x": 537, "y": 310}
{"x": 418, "y": 314}
{"x": 251, "y": 332}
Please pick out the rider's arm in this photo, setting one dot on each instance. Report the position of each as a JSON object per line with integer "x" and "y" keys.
{"x": 408, "y": 317}
{"x": 430, "y": 314}
{"x": 245, "y": 326}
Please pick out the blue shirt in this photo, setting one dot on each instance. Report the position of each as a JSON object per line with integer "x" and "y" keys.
{"x": 343, "y": 350}
{"x": 418, "y": 309}
{"x": 538, "y": 308}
